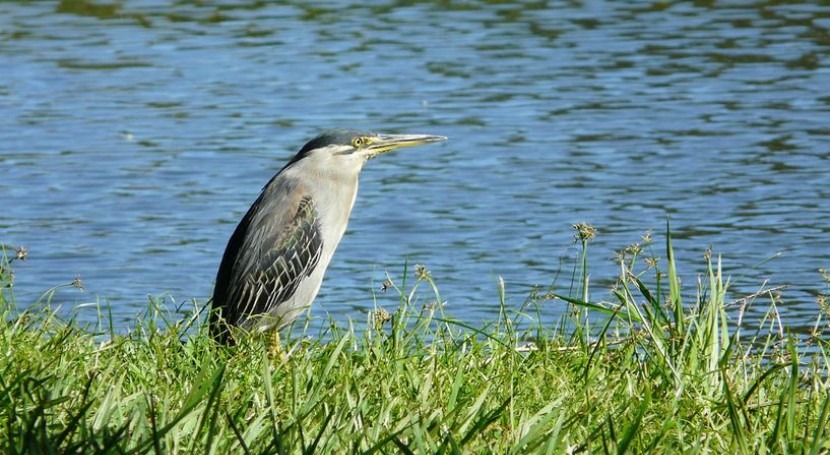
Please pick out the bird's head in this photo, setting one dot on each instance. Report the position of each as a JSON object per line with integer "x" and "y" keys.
{"x": 349, "y": 149}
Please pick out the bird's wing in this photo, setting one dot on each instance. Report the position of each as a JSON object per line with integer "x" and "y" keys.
{"x": 276, "y": 245}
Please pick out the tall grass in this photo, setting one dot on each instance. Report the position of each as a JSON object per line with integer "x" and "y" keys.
{"x": 650, "y": 373}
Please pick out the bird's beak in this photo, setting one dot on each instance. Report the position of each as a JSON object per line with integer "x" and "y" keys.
{"x": 383, "y": 143}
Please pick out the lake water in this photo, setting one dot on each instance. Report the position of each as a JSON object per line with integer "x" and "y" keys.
{"x": 134, "y": 136}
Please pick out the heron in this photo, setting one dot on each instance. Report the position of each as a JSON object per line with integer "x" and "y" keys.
{"x": 275, "y": 260}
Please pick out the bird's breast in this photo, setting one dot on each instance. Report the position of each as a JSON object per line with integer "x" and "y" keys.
{"x": 334, "y": 208}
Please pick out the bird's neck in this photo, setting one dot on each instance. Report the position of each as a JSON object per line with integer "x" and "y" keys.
{"x": 334, "y": 194}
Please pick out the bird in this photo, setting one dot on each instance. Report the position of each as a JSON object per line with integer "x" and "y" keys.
{"x": 275, "y": 259}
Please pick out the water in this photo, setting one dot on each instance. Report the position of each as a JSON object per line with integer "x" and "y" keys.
{"x": 134, "y": 137}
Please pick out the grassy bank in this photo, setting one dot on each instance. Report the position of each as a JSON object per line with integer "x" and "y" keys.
{"x": 659, "y": 369}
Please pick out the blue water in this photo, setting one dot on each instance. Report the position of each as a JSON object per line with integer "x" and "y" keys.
{"x": 134, "y": 137}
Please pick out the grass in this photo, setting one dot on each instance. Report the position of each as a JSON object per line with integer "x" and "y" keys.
{"x": 659, "y": 368}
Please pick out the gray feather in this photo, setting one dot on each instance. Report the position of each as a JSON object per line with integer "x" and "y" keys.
{"x": 272, "y": 250}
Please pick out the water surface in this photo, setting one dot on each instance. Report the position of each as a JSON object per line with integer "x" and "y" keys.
{"x": 134, "y": 136}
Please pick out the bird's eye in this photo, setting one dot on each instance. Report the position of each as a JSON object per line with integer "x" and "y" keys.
{"x": 358, "y": 142}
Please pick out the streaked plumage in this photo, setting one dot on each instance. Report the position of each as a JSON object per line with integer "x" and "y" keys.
{"x": 276, "y": 258}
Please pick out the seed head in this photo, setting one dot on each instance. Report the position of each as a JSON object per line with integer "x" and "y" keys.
{"x": 584, "y": 231}
{"x": 422, "y": 273}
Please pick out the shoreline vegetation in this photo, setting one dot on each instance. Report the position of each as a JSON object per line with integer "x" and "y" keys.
{"x": 660, "y": 367}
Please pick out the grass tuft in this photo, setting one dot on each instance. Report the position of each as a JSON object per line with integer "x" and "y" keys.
{"x": 645, "y": 372}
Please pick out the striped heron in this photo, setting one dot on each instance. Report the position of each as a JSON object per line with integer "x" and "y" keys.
{"x": 275, "y": 260}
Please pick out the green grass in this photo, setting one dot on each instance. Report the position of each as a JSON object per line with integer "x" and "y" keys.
{"x": 659, "y": 368}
